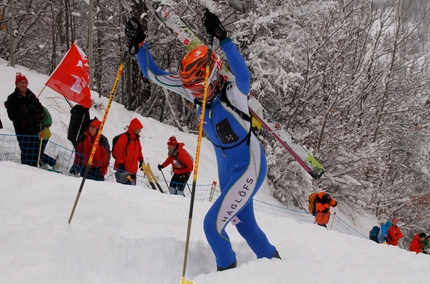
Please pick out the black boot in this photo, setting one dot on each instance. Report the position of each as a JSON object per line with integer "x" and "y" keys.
{"x": 277, "y": 255}
{"x": 233, "y": 265}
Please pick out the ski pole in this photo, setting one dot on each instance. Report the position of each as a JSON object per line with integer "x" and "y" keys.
{"x": 196, "y": 163}
{"x": 332, "y": 222}
{"x": 188, "y": 187}
{"x": 42, "y": 134}
{"x": 164, "y": 178}
{"x": 99, "y": 133}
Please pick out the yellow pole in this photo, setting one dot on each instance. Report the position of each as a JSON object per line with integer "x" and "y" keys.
{"x": 99, "y": 133}
{"x": 41, "y": 136}
{"x": 196, "y": 163}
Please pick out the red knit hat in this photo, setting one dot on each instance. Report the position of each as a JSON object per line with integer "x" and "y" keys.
{"x": 96, "y": 123}
{"x": 19, "y": 77}
{"x": 172, "y": 141}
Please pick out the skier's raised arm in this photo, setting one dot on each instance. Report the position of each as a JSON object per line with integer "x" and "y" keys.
{"x": 138, "y": 46}
{"x": 238, "y": 66}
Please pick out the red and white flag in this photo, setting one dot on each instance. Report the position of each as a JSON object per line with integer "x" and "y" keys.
{"x": 71, "y": 78}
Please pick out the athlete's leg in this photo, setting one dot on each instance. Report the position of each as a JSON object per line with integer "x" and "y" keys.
{"x": 238, "y": 183}
{"x": 248, "y": 228}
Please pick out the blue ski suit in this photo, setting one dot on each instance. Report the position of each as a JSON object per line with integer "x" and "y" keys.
{"x": 241, "y": 160}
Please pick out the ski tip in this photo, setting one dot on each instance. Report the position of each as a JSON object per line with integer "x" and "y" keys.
{"x": 316, "y": 175}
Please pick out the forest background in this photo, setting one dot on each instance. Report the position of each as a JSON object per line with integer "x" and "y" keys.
{"x": 348, "y": 78}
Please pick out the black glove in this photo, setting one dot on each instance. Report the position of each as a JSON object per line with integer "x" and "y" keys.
{"x": 141, "y": 165}
{"x": 160, "y": 167}
{"x": 134, "y": 32}
{"x": 213, "y": 26}
{"x": 121, "y": 167}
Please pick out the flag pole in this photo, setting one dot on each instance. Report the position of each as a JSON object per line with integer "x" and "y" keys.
{"x": 99, "y": 133}
{"x": 44, "y": 86}
{"x": 70, "y": 104}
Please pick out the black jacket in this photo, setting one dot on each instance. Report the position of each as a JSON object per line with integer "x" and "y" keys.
{"x": 24, "y": 112}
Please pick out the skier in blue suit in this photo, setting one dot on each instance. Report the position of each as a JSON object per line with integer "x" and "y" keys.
{"x": 241, "y": 160}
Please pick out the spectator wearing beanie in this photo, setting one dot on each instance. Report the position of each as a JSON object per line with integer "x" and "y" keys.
{"x": 25, "y": 110}
{"x": 182, "y": 165}
{"x": 84, "y": 147}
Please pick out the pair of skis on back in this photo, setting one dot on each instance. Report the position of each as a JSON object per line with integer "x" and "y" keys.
{"x": 177, "y": 26}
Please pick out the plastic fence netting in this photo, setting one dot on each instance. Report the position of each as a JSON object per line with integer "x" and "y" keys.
{"x": 63, "y": 159}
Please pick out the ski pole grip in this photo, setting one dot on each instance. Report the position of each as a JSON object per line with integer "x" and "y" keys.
{"x": 210, "y": 42}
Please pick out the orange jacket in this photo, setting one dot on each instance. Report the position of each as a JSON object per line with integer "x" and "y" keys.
{"x": 393, "y": 235}
{"x": 323, "y": 209}
{"x": 85, "y": 146}
{"x": 180, "y": 160}
{"x": 416, "y": 244}
{"x": 129, "y": 153}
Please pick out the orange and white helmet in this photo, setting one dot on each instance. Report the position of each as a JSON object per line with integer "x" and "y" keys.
{"x": 192, "y": 70}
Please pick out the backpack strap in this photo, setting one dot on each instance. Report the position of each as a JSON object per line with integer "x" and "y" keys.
{"x": 128, "y": 138}
{"x": 223, "y": 98}
{"x": 128, "y": 141}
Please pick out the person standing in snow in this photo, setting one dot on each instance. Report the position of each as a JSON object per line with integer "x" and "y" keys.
{"x": 426, "y": 245}
{"x": 25, "y": 111}
{"x": 417, "y": 243}
{"x": 382, "y": 236}
{"x": 241, "y": 160}
{"x": 182, "y": 165}
{"x": 84, "y": 148}
{"x": 394, "y": 233}
{"x": 128, "y": 154}
{"x": 323, "y": 202}
{"x": 78, "y": 124}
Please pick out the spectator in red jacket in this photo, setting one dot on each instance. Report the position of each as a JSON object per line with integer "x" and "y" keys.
{"x": 323, "y": 202}
{"x": 128, "y": 154}
{"x": 417, "y": 243}
{"x": 101, "y": 158}
{"x": 182, "y": 165}
{"x": 394, "y": 233}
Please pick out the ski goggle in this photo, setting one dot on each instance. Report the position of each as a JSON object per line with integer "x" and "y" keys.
{"x": 196, "y": 89}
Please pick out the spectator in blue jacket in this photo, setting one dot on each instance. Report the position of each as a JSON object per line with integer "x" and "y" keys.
{"x": 382, "y": 237}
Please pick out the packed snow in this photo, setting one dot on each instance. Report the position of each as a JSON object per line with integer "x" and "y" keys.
{"x": 133, "y": 234}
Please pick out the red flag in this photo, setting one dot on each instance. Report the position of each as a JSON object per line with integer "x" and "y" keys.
{"x": 71, "y": 78}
